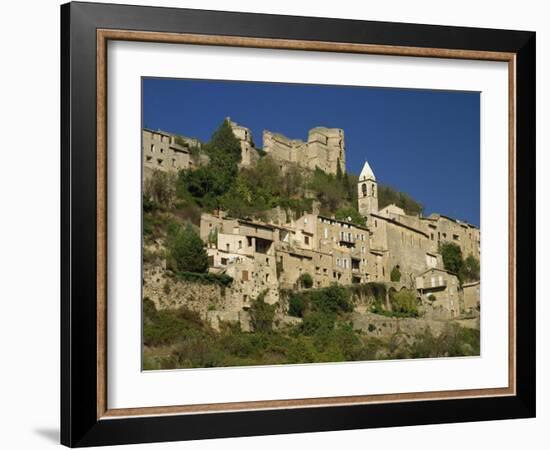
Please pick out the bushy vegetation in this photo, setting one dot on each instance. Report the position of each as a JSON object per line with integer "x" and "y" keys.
{"x": 388, "y": 195}
{"x": 404, "y": 303}
{"x": 453, "y": 341}
{"x": 453, "y": 261}
{"x": 159, "y": 191}
{"x": 305, "y": 281}
{"x": 222, "y": 280}
{"x": 186, "y": 251}
{"x": 180, "y": 339}
{"x": 395, "y": 274}
{"x": 261, "y": 314}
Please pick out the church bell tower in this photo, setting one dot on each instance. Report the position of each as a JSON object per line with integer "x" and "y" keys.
{"x": 367, "y": 192}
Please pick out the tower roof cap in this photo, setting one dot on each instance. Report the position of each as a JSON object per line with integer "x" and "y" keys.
{"x": 367, "y": 173}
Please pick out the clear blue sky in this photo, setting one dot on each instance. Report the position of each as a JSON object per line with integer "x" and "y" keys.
{"x": 422, "y": 142}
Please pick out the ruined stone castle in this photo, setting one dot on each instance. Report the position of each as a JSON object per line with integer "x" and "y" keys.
{"x": 270, "y": 257}
{"x": 324, "y": 149}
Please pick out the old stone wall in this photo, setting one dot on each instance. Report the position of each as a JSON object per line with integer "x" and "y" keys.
{"x": 169, "y": 293}
{"x": 381, "y": 326}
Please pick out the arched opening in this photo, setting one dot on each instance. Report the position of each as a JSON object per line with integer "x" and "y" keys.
{"x": 364, "y": 189}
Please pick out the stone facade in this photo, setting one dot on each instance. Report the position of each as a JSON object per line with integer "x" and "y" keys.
{"x": 168, "y": 152}
{"x": 445, "y": 229}
{"x": 324, "y": 149}
{"x": 440, "y": 290}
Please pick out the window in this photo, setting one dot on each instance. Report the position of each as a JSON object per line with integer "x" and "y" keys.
{"x": 244, "y": 275}
{"x": 364, "y": 189}
{"x": 267, "y": 261}
{"x": 173, "y": 162}
{"x": 306, "y": 240}
{"x": 152, "y": 148}
{"x": 227, "y": 247}
{"x": 160, "y": 161}
{"x": 224, "y": 261}
{"x": 266, "y": 277}
{"x": 148, "y": 158}
{"x": 240, "y": 244}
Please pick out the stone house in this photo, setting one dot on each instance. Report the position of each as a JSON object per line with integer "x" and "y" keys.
{"x": 168, "y": 152}
{"x": 445, "y": 229}
{"x": 439, "y": 290}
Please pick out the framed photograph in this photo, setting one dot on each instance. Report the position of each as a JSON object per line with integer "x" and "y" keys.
{"x": 276, "y": 224}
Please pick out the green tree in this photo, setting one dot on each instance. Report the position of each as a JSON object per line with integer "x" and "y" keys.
{"x": 186, "y": 250}
{"x": 225, "y": 143}
{"x": 338, "y": 170}
{"x": 305, "y": 280}
{"x": 395, "y": 274}
{"x": 332, "y": 299}
{"x": 452, "y": 257}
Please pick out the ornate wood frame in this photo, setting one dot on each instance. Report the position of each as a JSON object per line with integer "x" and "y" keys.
{"x": 86, "y": 418}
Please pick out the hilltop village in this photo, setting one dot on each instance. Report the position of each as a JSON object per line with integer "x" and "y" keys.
{"x": 284, "y": 252}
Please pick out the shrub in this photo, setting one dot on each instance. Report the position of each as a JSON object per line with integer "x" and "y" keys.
{"x": 261, "y": 314}
{"x": 186, "y": 250}
{"x": 305, "y": 280}
{"x": 317, "y": 322}
{"x": 332, "y": 299}
{"x": 296, "y": 305}
{"x": 404, "y": 302}
{"x": 395, "y": 274}
{"x": 222, "y": 280}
